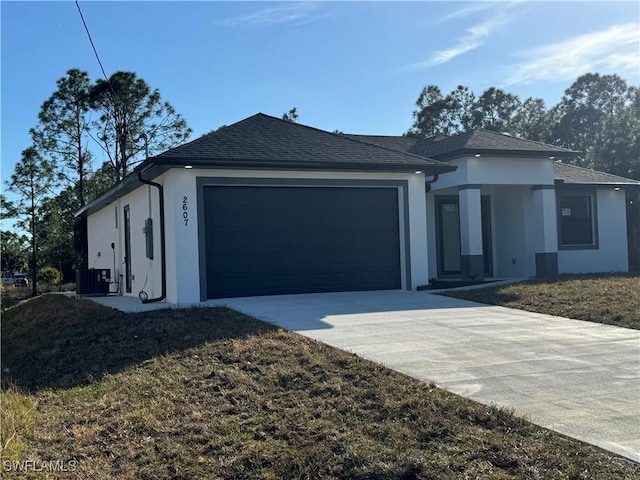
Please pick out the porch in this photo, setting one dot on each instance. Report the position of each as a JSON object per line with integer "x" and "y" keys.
{"x": 482, "y": 232}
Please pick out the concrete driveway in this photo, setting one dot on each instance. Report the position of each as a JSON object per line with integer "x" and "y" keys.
{"x": 578, "y": 378}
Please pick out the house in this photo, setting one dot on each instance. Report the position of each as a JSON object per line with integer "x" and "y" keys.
{"x": 266, "y": 206}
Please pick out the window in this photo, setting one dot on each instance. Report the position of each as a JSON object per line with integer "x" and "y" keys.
{"x": 576, "y": 221}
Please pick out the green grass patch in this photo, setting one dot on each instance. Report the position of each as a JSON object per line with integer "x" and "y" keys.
{"x": 613, "y": 299}
{"x": 17, "y": 419}
{"x": 210, "y": 393}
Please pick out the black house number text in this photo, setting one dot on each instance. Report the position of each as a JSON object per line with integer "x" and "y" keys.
{"x": 185, "y": 210}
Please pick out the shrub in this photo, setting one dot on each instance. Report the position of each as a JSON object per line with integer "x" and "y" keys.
{"x": 49, "y": 275}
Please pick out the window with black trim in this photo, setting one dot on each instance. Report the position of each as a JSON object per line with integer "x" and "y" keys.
{"x": 576, "y": 224}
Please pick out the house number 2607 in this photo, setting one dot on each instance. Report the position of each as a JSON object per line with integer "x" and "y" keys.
{"x": 185, "y": 211}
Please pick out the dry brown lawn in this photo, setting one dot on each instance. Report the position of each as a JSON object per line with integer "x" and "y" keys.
{"x": 613, "y": 299}
{"x": 210, "y": 393}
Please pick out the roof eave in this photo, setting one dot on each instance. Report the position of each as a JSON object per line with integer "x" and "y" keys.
{"x": 240, "y": 164}
{"x": 560, "y": 182}
{"x": 156, "y": 167}
{"x": 465, "y": 152}
{"x": 124, "y": 186}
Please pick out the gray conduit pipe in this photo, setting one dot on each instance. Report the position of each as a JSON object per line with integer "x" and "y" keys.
{"x": 162, "y": 240}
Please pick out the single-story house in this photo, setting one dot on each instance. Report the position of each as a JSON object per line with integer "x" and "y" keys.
{"x": 266, "y": 206}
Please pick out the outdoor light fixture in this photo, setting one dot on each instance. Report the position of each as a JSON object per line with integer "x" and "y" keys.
{"x": 477, "y": 155}
{"x": 552, "y": 158}
{"x": 617, "y": 189}
{"x": 188, "y": 166}
{"x": 418, "y": 171}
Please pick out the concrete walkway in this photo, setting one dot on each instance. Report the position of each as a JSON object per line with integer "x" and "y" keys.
{"x": 578, "y": 378}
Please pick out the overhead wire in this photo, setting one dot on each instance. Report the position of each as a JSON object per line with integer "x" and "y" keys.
{"x": 117, "y": 99}
{"x": 95, "y": 51}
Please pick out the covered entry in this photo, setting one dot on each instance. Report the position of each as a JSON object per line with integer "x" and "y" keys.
{"x": 448, "y": 237}
{"x": 267, "y": 240}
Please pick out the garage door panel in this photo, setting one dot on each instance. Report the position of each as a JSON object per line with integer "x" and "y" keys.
{"x": 278, "y": 285}
{"x": 278, "y": 264}
{"x": 276, "y": 240}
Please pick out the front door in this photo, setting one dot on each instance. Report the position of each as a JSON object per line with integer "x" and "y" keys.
{"x": 448, "y": 236}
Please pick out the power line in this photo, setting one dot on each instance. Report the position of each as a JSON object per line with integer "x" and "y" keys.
{"x": 118, "y": 101}
{"x": 95, "y": 51}
{"x": 92, "y": 45}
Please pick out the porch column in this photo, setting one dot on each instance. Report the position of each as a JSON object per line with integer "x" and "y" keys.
{"x": 471, "y": 259}
{"x": 546, "y": 239}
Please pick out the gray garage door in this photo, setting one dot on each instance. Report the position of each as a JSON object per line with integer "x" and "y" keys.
{"x": 278, "y": 240}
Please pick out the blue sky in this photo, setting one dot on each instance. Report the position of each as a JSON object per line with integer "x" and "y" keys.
{"x": 353, "y": 66}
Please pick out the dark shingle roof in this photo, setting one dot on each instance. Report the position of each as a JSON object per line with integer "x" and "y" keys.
{"x": 262, "y": 141}
{"x": 480, "y": 141}
{"x": 402, "y": 144}
{"x": 572, "y": 174}
{"x": 265, "y": 141}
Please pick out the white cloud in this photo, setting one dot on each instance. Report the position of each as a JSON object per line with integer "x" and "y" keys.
{"x": 616, "y": 49}
{"x": 468, "y": 10}
{"x": 474, "y": 38}
{"x": 478, "y": 6}
{"x": 298, "y": 13}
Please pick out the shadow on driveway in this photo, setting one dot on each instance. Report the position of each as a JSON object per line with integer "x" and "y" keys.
{"x": 317, "y": 311}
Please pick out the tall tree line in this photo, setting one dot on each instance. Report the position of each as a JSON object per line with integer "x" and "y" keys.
{"x": 116, "y": 121}
{"x": 598, "y": 116}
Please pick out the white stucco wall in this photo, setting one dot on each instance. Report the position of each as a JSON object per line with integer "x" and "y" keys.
{"x": 510, "y": 171}
{"x": 432, "y": 247}
{"x": 183, "y": 267}
{"x": 418, "y": 231}
{"x": 455, "y": 178}
{"x": 545, "y": 219}
{"x": 102, "y": 231}
{"x": 470, "y": 221}
{"x": 611, "y": 254}
{"x": 511, "y": 212}
{"x": 497, "y": 171}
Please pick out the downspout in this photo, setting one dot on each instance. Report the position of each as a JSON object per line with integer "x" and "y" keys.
{"x": 162, "y": 240}
{"x": 428, "y": 183}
